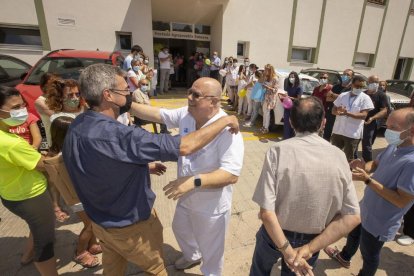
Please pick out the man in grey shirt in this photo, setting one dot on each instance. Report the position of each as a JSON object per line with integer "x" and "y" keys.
{"x": 306, "y": 196}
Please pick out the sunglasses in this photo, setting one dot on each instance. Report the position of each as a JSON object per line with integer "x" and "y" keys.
{"x": 197, "y": 95}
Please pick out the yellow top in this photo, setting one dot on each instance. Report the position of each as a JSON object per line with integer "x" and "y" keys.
{"x": 19, "y": 180}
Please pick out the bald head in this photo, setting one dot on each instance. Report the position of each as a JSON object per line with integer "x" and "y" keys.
{"x": 401, "y": 119}
{"x": 307, "y": 115}
{"x": 373, "y": 78}
{"x": 208, "y": 86}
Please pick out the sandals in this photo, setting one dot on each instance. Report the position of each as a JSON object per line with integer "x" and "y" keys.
{"x": 95, "y": 249}
{"x": 60, "y": 215}
{"x": 86, "y": 259}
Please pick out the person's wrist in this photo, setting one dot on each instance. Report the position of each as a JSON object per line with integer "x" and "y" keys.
{"x": 368, "y": 180}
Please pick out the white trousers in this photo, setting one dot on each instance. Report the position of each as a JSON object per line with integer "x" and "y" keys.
{"x": 242, "y": 107}
{"x": 266, "y": 115}
{"x": 249, "y": 102}
{"x": 202, "y": 236}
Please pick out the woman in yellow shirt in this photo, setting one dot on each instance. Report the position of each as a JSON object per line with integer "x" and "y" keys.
{"x": 23, "y": 187}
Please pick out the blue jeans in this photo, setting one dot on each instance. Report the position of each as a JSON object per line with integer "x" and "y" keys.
{"x": 255, "y": 112}
{"x": 370, "y": 250}
{"x": 266, "y": 255}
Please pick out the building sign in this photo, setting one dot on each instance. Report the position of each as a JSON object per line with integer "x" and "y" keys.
{"x": 181, "y": 35}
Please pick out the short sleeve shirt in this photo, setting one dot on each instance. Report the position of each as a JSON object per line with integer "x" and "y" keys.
{"x": 23, "y": 130}
{"x": 306, "y": 195}
{"x": 395, "y": 171}
{"x": 164, "y": 64}
{"x": 108, "y": 164}
{"x": 224, "y": 152}
{"x": 345, "y": 125}
{"x": 19, "y": 180}
{"x": 127, "y": 62}
{"x": 380, "y": 101}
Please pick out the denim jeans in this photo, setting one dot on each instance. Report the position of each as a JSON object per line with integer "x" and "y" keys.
{"x": 255, "y": 112}
{"x": 266, "y": 255}
{"x": 370, "y": 250}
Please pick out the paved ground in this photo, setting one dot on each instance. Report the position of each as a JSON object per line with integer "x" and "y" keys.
{"x": 395, "y": 260}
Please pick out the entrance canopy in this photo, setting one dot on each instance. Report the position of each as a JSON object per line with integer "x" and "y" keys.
{"x": 186, "y": 11}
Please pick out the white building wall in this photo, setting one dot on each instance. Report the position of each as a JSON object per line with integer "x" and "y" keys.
{"x": 96, "y": 22}
{"x": 339, "y": 34}
{"x": 391, "y": 38}
{"x": 308, "y": 16}
{"x": 217, "y": 33}
{"x": 371, "y": 26}
{"x": 267, "y": 33}
{"x": 407, "y": 49}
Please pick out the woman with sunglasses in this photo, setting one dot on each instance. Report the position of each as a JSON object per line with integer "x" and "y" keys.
{"x": 322, "y": 90}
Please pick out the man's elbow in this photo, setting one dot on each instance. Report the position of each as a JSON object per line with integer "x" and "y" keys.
{"x": 266, "y": 216}
{"x": 185, "y": 149}
{"x": 233, "y": 179}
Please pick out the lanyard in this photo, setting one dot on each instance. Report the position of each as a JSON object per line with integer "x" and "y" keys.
{"x": 351, "y": 103}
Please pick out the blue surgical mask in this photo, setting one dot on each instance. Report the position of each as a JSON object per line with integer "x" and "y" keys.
{"x": 345, "y": 78}
{"x": 136, "y": 68}
{"x": 393, "y": 137}
{"x": 144, "y": 88}
{"x": 17, "y": 117}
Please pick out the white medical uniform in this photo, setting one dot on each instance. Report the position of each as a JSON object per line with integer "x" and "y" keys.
{"x": 202, "y": 215}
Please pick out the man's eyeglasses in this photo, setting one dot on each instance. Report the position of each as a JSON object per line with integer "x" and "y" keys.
{"x": 117, "y": 91}
{"x": 197, "y": 96}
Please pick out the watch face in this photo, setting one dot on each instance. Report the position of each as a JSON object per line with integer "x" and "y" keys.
{"x": 197, "y": 182}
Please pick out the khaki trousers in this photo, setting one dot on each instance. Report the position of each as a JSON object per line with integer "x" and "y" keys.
{"x": 140, "y": 243}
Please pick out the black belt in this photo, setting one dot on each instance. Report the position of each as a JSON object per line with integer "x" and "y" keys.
{"x": 296, "y": 235}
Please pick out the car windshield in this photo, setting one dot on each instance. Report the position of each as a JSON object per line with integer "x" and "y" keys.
{"x": 66, "y": 68}
{"x": 401, "y": 88}
{"x": 308, "y": 86}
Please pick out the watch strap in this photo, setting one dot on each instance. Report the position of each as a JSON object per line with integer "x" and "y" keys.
{"x": 197, "y": 181}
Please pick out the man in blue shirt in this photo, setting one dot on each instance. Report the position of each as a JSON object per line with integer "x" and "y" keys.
{"x": 108, "y": 164}
{"x": 388, "y": 196}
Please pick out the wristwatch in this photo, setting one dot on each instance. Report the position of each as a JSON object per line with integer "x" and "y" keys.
{"x": 197, "y": 181}
{"x": 368, "y": 181}
{"x": 284, "y": 246}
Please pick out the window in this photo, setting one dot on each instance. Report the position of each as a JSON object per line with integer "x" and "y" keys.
{"x": 12, "y": 68}
{"x": 160, "y": 26}
{"x": 29, "y": 36}
{"x": 364, "y": 59}
{"x": 179, "y": 27}
{"x": 378, "y": 2}
{"x": 242, "y": 49}
{"x": 302, "y": 54}
{"x": 201, "y": 29}
{"x": 402, "y": 70}
{"x": 124, "y": 40}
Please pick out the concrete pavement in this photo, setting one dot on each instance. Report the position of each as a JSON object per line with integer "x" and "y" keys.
{"x": 395, "y": 259}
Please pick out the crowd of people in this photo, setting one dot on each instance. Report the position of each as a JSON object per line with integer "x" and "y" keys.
{"x": 100, "y": 159}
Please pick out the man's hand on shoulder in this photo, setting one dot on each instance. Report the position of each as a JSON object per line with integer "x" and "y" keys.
{"x": 179, "y": 187}
{"x": 233, "y": 124}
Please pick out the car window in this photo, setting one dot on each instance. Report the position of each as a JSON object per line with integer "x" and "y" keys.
{"x": 399, "y": 88}
{"x": 13, "y": 68}
{"x": 66, "y": 68}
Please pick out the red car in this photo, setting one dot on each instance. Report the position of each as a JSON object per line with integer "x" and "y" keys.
{"x": 66, "y": 63}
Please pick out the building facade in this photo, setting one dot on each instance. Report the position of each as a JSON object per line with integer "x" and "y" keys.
{"x": 369, "y": 36}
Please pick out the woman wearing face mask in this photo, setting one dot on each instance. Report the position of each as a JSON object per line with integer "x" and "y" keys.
{"x": 134, "y": 75}
{"x": 322, "y": 90}
{"x": 63, "y": 98}
{"x": 271, "y": 83}
{"x": 23, "y": 187}
{"x": 294, "y": 91}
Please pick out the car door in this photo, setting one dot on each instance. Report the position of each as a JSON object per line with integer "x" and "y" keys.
{"x": 11, "y": 69}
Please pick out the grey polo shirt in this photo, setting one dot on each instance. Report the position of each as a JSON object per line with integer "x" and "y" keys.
{"x": 307, "y": 182}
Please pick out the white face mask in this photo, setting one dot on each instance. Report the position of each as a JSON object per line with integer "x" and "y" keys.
{"x": 146, "y": 61}
{"x": 393, "y": 137}
{"x": 292, "y": 80}
{"x": 17, "y": 117}
{"x": 323, "y": 81}
{"x": 373, "y": 86}
{"x": 356, "y": 91}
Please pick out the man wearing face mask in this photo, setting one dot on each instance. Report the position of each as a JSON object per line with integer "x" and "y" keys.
{"x": 343, "y": 86}
{"x": 108, "y": 164}
{"x": 379, "y": 99}
{"x": 351, "y": 109}
{"x": 388, "y": 195}
{"x": 215, "y": 66}
{"x": 165, "y": 66}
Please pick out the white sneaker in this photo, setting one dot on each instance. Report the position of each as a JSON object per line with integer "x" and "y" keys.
{"x": 182, "y": 263}
{"x": 247, "y": 124}
{"x": 405, "y": 240}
